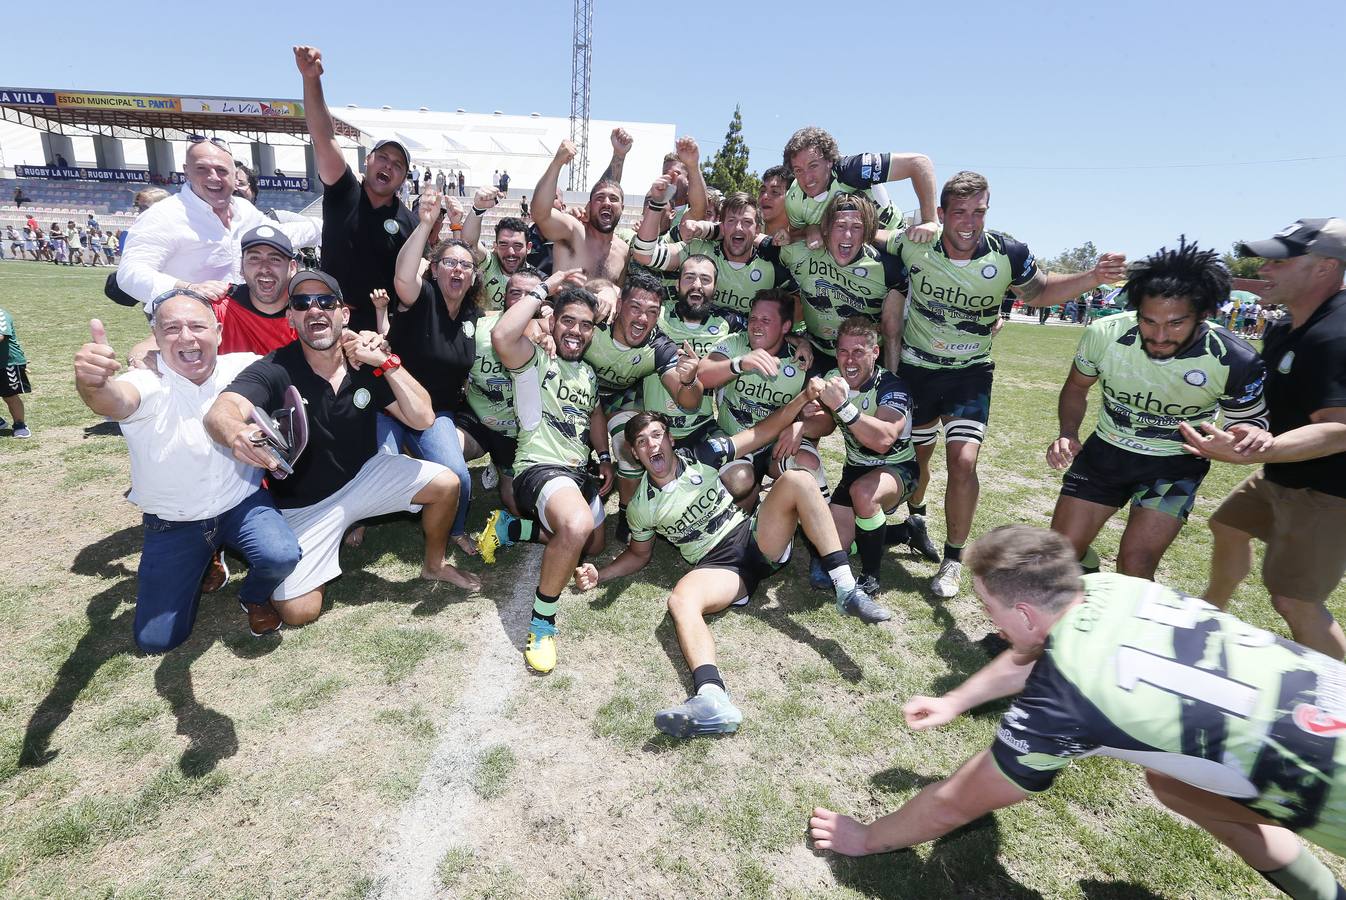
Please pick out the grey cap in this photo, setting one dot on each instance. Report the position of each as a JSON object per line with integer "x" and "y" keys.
{"x": 1320, "y": 237}
{"x": 268, "y": 235}
{"x": 314, "y": 275}
{"x": 406, "y": 154}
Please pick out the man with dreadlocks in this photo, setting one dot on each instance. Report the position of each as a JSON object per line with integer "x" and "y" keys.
{"x": 1161, "y": 364}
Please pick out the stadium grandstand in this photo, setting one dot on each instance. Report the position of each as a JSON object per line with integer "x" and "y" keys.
{"x": 76, "y": 152}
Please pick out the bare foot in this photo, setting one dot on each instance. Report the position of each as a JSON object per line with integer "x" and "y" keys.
{"x": 452, "y": 575}
{"x": 466, "y": 544}
{"x": 355, "y": 537}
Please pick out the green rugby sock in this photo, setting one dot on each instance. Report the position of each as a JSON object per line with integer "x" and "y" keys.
{"x": 1306, "y": 878}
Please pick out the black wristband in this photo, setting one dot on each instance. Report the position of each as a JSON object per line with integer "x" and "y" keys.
{"x": 477, "y": 212}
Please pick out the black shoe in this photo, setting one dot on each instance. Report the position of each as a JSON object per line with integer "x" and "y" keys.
{"x": 623, "y": 532}
{"x": 918, "y": 538}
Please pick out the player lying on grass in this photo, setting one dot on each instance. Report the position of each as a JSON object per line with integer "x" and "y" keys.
{"x": 1238, "y": 731}
{"x": 681, "y": 498}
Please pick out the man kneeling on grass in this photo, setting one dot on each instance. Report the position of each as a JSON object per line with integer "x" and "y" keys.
{"x": 195, "y": 497}
{"x": 1238, "y": 730}
{"x": 345, "y": 378}
{"x": 680, "y": 497}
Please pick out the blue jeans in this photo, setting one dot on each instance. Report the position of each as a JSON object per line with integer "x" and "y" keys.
{"x": 176, "y": 555}
{"x": 436, "y": 444}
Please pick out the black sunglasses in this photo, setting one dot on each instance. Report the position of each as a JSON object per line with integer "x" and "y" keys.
{"x": 302, "y": 302}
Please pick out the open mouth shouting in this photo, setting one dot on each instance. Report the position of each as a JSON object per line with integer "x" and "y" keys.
{"x": 658, "y": 462}
{"x": 570, "y": 346}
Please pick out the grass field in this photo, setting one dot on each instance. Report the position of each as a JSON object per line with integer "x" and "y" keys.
{"x": 398, "y": 748}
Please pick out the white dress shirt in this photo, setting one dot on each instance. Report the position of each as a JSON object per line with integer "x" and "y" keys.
{"x": 180, "y": 238}
{"x": 177, "y": 472}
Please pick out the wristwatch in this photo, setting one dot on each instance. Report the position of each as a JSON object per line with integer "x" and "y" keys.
{"x": 392, "y": 362}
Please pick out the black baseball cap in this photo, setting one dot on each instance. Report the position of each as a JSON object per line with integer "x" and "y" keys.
{"x": 406, "y": 154}
{"x": 270, "y": 236}
{"x": 313, "y": 275}
{"x": 1321, "y": 237}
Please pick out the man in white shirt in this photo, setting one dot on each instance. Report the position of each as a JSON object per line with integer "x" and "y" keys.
{"x": 190, "y": 240}
{"x": 194, "y": 495}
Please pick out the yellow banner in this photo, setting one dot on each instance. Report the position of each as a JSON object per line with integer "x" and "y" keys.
{"x": 133, "y": 102}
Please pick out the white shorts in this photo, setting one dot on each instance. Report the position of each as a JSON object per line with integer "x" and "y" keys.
{"x": 384, "y": 484}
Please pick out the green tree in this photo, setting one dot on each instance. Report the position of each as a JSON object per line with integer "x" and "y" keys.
{"x": 727, "y": 170}
{"x": 1080, "y": 259}
{"x": 1242, "y": 266}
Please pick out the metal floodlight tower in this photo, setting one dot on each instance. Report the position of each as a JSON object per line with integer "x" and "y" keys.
{"x": 581, "y": 66}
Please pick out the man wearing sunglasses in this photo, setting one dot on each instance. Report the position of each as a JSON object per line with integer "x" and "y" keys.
{"x": 194, "y": 496}
{"x": 364, "y": 224}
{"x": 345, "y": 378}
{"x": 190, "y": 240}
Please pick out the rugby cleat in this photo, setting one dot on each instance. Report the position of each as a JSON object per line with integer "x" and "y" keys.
{"x": 540, "y": 654}
{"x": 708, "y": 712}
{"x": 859, "y": 604}
{"x": 869, "y": 584}
{"x": 918, "y": 538}
{"x": 947, "y": 580}
{"x": 495, "y": 534}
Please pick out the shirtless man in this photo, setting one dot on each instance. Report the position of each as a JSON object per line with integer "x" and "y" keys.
{"x": 591, "y": 245}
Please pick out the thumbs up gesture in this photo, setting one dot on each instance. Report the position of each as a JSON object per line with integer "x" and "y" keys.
{"x": 95, "y": 362}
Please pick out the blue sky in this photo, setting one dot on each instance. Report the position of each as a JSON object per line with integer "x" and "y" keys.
{"x": 1125, "y": 125}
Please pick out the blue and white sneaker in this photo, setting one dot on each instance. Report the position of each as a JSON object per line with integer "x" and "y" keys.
{"x": 819, "y": 580}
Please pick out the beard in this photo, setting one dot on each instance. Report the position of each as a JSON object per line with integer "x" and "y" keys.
{"x": 689, "y": 313}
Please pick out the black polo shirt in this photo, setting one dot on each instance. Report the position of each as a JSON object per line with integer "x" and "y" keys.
{"x": 360, "y": 244}
{"x": 1306, "y": 372}
{"x": 436, "y": 348}
{"x": 341, "y": 425}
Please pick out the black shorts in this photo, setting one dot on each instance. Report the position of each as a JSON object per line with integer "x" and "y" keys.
{"x": 738, "y": 552}
{"x": 529, "y": 483}
{"x": 500, "y": 447}
{"x": 704, "y": 433}
{"x": 906, "y": 473}
{"x": 1108, "y": 475}
{"x": 953, "y": 393}
{"x": 14, "y": 381}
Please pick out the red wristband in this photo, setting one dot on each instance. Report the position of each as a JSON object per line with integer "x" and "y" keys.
{"x": 392, "y": 362}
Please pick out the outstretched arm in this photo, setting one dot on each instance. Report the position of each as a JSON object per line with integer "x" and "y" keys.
{"x": 635, "y": 556}
{"x": 556, "y": 227}
{"x": 1051, "y": 288}
{"x": 918, "y": 168}
{"x": 95, "y": 365}
{"x": 509, "y": 337}
{"x": 689, "y": 154}
{"x": 407, "y": 271}
{"x": 621, "y": 145}
{"x": 482, "y": 200}
{"x": 322, "y": 133}
{"x": 970, "y": 793}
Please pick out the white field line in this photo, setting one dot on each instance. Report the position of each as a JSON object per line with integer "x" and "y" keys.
{"x": 436, "y": 817}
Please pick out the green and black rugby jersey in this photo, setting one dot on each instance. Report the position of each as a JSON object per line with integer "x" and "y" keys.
{"x": 952, "y": 304}
{"x": 737, "y": 283}
{"x": 1143, "y": 673}
{"x": 620, "y": 368}
{"x": 1145, "y": 399}
{"x": 490, "y": 389}
{"x": 850, "y": 175}
{"x": 750, "y": 397}
{"x": 703, "y": 337}
{"x": 493, "y": 282}
{"x": 554, "y": 399}
{"x": 883, "y": 389}
{"x": 693, "y": 512}
{"x": 832, "y": 293}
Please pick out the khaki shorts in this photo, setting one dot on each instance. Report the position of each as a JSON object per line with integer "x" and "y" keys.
{"x": 1303, "y": 530}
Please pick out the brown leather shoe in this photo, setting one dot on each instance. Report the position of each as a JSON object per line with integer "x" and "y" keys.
{"x": 262, "y": 617}
{"x": 217, "y": 574}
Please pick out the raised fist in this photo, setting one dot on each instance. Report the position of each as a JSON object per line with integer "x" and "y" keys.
{"x": 566, "y": 151}
{"x": 621, "y": 142}
{"x": 309, "y": 61}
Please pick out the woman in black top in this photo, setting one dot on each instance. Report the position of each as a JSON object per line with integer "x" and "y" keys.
{"x": 433, "y": 333}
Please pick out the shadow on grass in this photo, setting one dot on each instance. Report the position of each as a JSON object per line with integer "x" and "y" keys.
{"x": 963, "y": 863}
{"x": 111, "y": 613}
